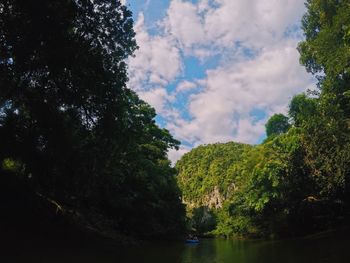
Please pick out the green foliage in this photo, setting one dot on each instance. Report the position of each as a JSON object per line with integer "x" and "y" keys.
{"x": 206, "y": 176}
{"x": 11, "y": 165}
{"x": 267, "y": 185}
{"x": 326, "y": 133}
{"x": 275, "y": 182}
{"x": 325, "y": 138}
{"x": 301, "y": 108}
{"x": 298, "y": 180}
{"x": 277, "y": 124}
{"x": 326, "y": 47}
{"x": 207, "y": 167}
{"x": 202, "y": 219}
{"x": 83, "y": 137}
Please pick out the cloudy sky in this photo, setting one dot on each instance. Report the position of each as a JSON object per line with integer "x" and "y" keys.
{"x": 216, "y": 70}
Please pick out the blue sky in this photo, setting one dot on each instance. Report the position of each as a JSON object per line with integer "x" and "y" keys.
{"x": 216, "y": 70}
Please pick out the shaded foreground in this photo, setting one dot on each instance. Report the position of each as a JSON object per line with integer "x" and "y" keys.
{"x": 73, "y": 137}
{"x": 327, "y": 247}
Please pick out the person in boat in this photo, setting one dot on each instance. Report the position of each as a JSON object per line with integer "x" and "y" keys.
{"x": 192, "y": 237}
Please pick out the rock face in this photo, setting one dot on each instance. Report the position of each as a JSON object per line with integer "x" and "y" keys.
{"x": 202, "y": 213}
{"x": 214, "y": 199}
{"x": 207, "y": 177}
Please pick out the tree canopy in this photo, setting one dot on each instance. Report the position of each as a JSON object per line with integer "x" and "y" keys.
{"x": 75, "y": 132}
{"x": 326, "y": 26}
{"x": 277, "y": 124}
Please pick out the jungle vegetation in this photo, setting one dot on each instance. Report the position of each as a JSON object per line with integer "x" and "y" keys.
{"x": 76, "y": 143}
{"x": 71, "y": 132}
{"x": 298, "y": 180}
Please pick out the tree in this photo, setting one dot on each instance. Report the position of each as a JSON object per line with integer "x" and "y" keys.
{"x": 66, "y": 116}
{"x": 326, "y": 26}
{"x": 301, "y": 108}
{"x": 63, "y": 85}
{"x": 277, "y": 124}
{"x": 325, "y": 53}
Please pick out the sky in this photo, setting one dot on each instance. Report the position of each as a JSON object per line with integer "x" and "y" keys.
{"x": 216, "y": 70}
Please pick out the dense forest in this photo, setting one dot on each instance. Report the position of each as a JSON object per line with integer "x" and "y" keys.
{"x": 76, "y": 145}
{"x": 80, "y": 150}
{"x": 298, "y": 180}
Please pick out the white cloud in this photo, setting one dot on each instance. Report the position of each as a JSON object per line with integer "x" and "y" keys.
{"x": 248, "y": 131}
{"x": 252, "y": 23}
{"x": 258, "y": 68}
{"x": 175, "y": 155}
{"x": 157, "y": 97}
{"x": 221, "y": 112}
{"x": 185, "y": 86}
{"x": 184, "y": 23}
{"x": 157, "y": 62}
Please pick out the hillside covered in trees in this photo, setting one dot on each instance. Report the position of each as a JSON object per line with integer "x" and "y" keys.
{"x": 298, "y": 180}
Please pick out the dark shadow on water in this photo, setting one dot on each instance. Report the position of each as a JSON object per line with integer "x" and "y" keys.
{"x": 331, "y": 247}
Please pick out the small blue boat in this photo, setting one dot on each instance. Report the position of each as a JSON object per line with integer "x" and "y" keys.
{"x": 192, "y": 241}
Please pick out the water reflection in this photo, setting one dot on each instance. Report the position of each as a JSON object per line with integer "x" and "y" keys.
{"x": 317, "y": 249}
{"x": 327, "y": 248}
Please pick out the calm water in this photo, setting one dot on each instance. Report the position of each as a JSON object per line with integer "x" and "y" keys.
{"x": 333, "y": 248}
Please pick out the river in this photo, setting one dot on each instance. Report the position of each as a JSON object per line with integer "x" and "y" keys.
{"x": 331, "y": 247}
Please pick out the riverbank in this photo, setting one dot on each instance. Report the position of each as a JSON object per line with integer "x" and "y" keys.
{"x": 30, "y": 220}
